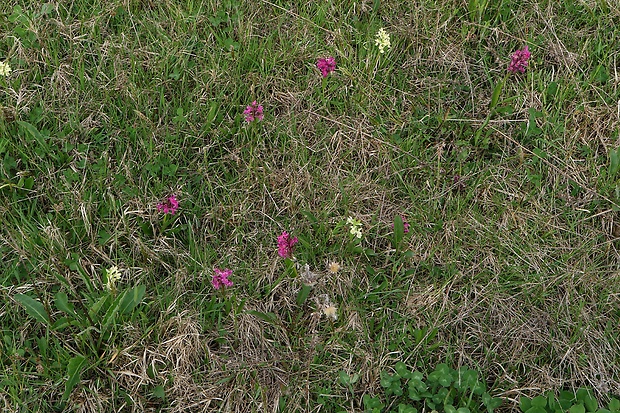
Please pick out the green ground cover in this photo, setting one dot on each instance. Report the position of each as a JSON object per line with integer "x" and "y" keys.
{"x": 486, "y": 201}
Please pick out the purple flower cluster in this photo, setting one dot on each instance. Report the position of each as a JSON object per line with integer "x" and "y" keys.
{"x": 220, "y": 278}
{"x": 326, "y": 65}
{"x": 169, "y": 206}
{"x": 286, "y": 244}
{"x": 253, "y": 112}
{"x": 518, "y": 62}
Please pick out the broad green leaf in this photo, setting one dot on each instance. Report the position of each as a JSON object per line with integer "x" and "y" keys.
{"x": 303, "y": 294}
{"x": 97, "y": 306}
{"x": 212, "y": 112}
{"x": 30, "y": 129}
{"x": 539, "y": 401}
{"x": 405, "y": 408}
{"x": 34, "y": 308}
{"x": 588, "y": 400}
{"x": 132, "y": 298}
{"x": 448, "y": 408}
{"x": 551, "y": 402}
{"x": 525, "y": 403}
{"x": 402, "y": 370}
{"x": 61, "y": 324}
{"x": 495, "y": 403}
{"x": 566, "y": 399}
{"x": 396, "y": 389}
{"x": 159, "y": 392}
{"x": 577, "y": 408}
{"x": 73, "y": 371}
{"x": 63, "y": 304}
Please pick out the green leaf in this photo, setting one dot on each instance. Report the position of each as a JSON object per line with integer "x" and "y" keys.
{"x": 402, "y": 370}
{"x": 405, "y": 408}
{"x": 268, "y": 317}
{"x": 448, "y": 408}
{"x": 34, "y": 132}
{"x": 399, "y": 231}
{"x": 566, "y": 399}
{"x": 536, "y": 409}
{"x": 34, "y": 308}
{"x": 113, "y": 309}
{"x": 577, "y": 408}
{"x": 63, "y": 304}
{"x": 497, "y": 91}
{"x": 47, "y": 8}
{"x": 472, "y": 6}
{"x": 73, "y": 371}
{"x": 441, "y": 375}
{"x": 159, "y": 392}
{"x": 540, "y": 153}
{"x": 396, "y": 389}
{"x": 525, "y": 403}
{"x": 600, "y": 74}
{"x": 212, "y": 113}
{"x": 291, "y": 269}
{"x": 98, "y": 305}
{"x": 495, "y": 403}
{"x": 132, "y": 298}
{"x": 539, "y": 401}
{"x": 61, "y": 324}
{"x": 614, "y": 405}
{"x": 372, "y": 402}
{"x": 303, "y": 294}
{"x": 552, "y": 404}
{"x": 588, "y": 400}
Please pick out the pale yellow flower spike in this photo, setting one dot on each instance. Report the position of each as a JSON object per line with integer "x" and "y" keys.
{"x": 5, "y": 69}
{"x": 383, "y": 40}
{"x": 113, "y": 275}
{"x": 355, "y": 230}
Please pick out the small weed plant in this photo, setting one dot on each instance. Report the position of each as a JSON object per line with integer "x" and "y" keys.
{"x": 461, "y": 391}
{"x": 444, "y": 390}
{"x": 581, "y": 401}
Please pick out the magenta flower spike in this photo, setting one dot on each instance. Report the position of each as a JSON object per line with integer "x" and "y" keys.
{"x": 286, "y": 244}
{"x": 326, "y": 65}
{"x": 253, "y": 112}
{"x": 220, "y": 278}
{"x": 519, "y": 61}
{"x": 170, "y": 206}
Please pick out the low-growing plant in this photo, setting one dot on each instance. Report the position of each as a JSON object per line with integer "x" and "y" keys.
{"x": 92, "y": 317}
{"x": 581, "y": 401}
{"x": 443, "y": 390}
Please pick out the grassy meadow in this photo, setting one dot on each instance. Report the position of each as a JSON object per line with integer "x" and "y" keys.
{"x": 486, "y": 201}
